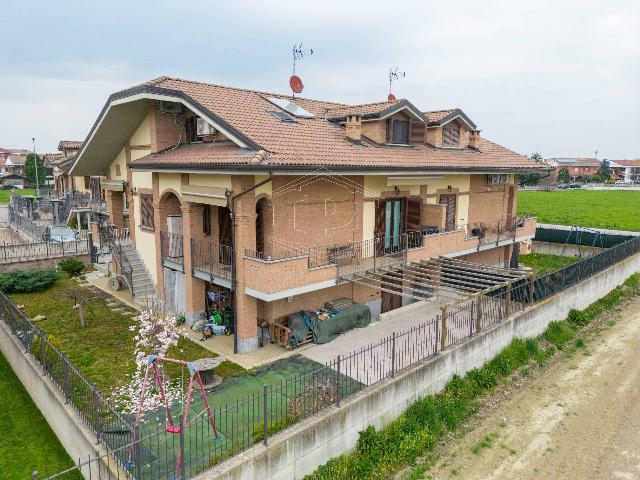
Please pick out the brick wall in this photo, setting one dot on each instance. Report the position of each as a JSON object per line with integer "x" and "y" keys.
{"x": 42, "y": 263}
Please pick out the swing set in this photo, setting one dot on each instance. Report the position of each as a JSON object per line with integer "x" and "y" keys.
{"x": 171, "y": 426}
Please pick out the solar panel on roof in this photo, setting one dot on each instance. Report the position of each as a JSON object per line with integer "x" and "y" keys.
{"x": 291, "y": 107}
{"x": 282, "y": 116}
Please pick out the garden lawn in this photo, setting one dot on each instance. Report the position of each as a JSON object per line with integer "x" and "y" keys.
{"x": 6, "y": 193}
{"x": 613, "y": 209}
{"x": 543, "y": 263}
{"x": 103, "y": 348}
{"x": 27, "y": 442}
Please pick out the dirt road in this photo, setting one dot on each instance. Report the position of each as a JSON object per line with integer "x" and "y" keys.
{"x": 579, "y": 419}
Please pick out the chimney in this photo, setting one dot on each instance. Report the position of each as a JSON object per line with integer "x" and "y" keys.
{"x": 354, "y": 128}
{"x": 474, "y": 137}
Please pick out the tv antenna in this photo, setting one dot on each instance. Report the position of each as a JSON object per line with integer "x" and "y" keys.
{"x": 394, "y": 75}
{"x": 295, "y": 82}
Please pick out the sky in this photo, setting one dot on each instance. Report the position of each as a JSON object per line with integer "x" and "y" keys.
{"x": 557, "y": 77}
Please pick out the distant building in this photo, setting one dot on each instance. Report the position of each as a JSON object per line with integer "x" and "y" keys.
{"x": 626, "y": 170}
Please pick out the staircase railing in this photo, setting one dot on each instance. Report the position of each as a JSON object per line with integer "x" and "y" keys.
{"x": 118, "y": 238}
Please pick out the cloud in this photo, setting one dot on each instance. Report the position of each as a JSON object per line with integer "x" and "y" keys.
{"x": 556, "y": 77}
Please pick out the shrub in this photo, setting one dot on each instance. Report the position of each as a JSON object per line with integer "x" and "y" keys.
{"x": 72, "y": 266}
{"x": 28, "y": 281}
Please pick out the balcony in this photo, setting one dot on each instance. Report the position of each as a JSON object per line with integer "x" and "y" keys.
{"x": 211, "y": 261}
{"x": 291, "y": 271}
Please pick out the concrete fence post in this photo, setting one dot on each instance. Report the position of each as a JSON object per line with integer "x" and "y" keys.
{"x": 443, "y": 329}
{"x": 478, "y": 313}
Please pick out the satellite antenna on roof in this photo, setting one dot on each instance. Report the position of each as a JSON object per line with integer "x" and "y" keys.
{"x": 394, "y": 75}
{"x": 295, "y": 82}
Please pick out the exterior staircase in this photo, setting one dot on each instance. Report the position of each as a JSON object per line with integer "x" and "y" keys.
{"x": 134, "y": 270}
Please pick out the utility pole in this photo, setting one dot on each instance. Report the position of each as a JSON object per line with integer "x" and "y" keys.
{"x": 35, "y": 161}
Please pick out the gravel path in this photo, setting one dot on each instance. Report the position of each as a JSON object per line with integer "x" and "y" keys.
{"x": 580, "y": 419}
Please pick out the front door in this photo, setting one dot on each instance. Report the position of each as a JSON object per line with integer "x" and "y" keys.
{"x": 449, "y": 201}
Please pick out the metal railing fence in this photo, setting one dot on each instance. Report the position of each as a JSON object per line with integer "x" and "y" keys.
{"x": 258, "y": 416}
{"x": 211, "y": 257}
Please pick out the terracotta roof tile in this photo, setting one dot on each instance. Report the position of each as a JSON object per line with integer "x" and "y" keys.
{"x": 362, "y": 109}
{"x": 314, "y": 141}
{"x": 69, "y": 144}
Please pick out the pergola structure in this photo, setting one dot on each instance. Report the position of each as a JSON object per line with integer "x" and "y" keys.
{"x": 442, "y": 275}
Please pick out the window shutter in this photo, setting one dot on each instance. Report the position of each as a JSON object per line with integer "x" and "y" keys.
{"x": 414, "y": 210}
{"x": 451, "y": 135}
{"x": 206, "y": 220}
{"x": 146, "y": 210}
{"x": 379, "y": 220}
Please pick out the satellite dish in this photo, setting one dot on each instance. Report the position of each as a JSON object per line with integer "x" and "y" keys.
{"x": 391, "y": 97}
{"x": 295, "y": 82}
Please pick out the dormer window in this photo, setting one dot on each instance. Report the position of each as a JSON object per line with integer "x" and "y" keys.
{"x": 398, "y": 132}
{"x": 451, "y": 135}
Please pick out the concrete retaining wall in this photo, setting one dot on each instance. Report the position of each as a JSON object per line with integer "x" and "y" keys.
{"x": 564, "y": 249}
{"x": 78, "y": 440}
{"x": 301, "y": 449}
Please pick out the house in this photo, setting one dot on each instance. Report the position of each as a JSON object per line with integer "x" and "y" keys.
{"x": 279, "y": 204}
{"x": 626, "y": 170}
{"x": 15, "y": 162}
{"x": 61, "y": 163}
{"x": 577, "y": 167}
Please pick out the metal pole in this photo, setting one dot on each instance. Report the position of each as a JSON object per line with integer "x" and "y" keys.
{"x": 266, "y": 429}
{"x": 96, "y": 412}
{"x": 182, "y": 472}
{"x": 393, "y": 354}
{"x": 137, "y": 451}
{"x": 338, "y": 381}
{"x": 35, "y": 161}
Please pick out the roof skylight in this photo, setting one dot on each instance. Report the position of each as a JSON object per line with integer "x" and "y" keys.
{"x": 291, "y": 107}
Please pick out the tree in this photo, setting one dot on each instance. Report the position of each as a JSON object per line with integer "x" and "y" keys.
{"x": 30, "y": 170}
{"x": 604, "y": 172}
{"x": 532, "y": 178}
{"x": 563, "y": 176}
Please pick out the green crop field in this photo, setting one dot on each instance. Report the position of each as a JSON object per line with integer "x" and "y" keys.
{"x": 27, "y": 442}
{"x": 614, "y": 209}
{"x": 6, "y": 193}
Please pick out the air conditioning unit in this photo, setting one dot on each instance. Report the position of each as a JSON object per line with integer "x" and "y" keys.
{"x": 203, "y": 128}
{"x": 169, "y": 108}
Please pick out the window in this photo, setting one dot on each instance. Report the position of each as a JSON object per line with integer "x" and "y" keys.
{"x": 87, "y": 181}
{"x": 398, "y": 132}
{"x": 206, "y": 220}
{"x": 451, "y": 135}
{"x": 497, "y": 179}
{"x": 146, "y": 211}
{"x": 191, "y": 130}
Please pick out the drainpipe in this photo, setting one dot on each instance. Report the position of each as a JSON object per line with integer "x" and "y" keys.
{"x": 234, "y": 263}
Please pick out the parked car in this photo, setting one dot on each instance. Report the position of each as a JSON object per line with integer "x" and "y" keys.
{"x": 563, "y": 186}
{"x": 575, "y": 185}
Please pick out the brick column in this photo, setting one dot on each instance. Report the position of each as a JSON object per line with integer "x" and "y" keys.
{"x": 115, "y": 205}
{"x": 193, "y": 287}
{"x": 247, "y": 307}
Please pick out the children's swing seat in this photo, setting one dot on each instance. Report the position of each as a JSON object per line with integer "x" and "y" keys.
{"x": 171, "y": 427}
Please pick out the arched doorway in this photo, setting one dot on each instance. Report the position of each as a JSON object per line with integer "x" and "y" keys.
{"x": 264, "y": 221}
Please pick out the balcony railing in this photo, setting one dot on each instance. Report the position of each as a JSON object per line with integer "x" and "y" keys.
{"x": 210, "y": 258}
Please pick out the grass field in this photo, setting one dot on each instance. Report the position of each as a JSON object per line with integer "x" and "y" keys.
{"x": 6, "y": 193}
{"x": 103, "y": 349}
{"x": 543, "y": 263}
{"x": 27, "y": 442}
{"x": 617, "y": 210}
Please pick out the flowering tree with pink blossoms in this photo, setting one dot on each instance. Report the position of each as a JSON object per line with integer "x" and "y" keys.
{"x": 156, "y": 332}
